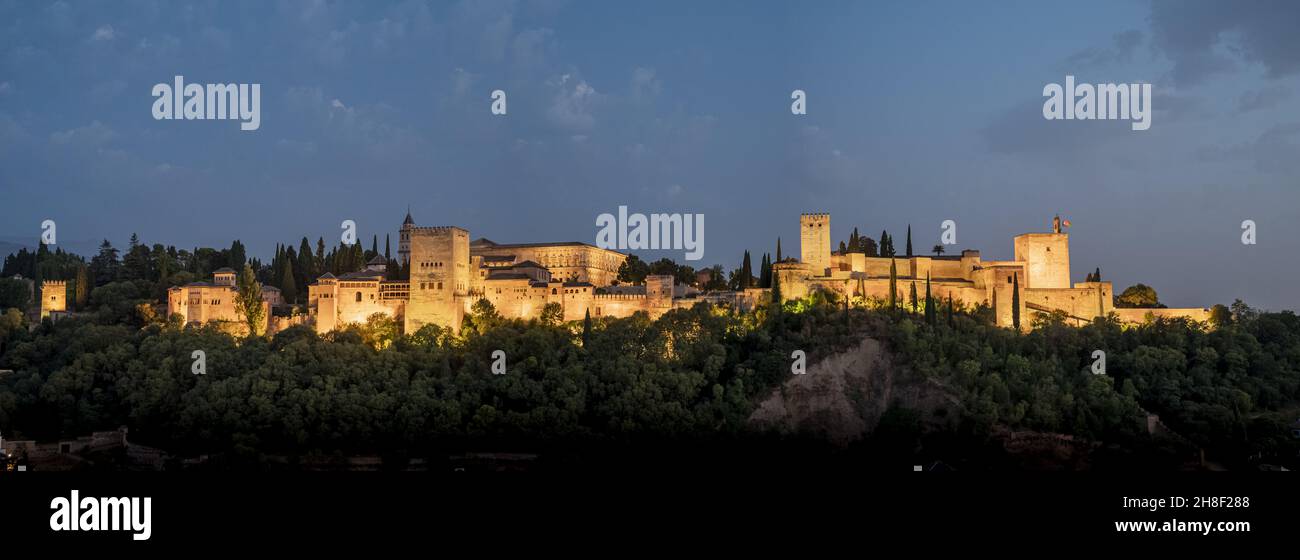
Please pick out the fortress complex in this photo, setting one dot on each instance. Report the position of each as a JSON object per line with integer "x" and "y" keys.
{"x": 448, "y": 273}
{"x": 1040, "y": 270}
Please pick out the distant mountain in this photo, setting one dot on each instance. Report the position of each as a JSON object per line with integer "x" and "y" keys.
{"x": 11, "y": 245}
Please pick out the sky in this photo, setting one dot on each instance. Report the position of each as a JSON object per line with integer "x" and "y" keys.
{"x": 917, "y": 113}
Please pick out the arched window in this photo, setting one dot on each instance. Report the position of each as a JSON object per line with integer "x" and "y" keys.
{"x": 358, "y": 296}
{"x": 552, "y": 291}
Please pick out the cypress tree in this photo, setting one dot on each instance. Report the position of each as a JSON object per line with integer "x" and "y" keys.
{"x": 909, "y": 241}
{"x": 746, "y": 272}
{"x": 929, "y": 301}
{"x": 83, "y": 286}
{"x": 912, "y": 296}
{"x": 1015, "y": 301}
{"x": 388, "y": 240}
{"x": 950, "y": 319}
{"x": 586, "y": 328}
{"x": 893, "y": 285}
{"x": 288, "y": 289}
{"x": 778, "y": 249}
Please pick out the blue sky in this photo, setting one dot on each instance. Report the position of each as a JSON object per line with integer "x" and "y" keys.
{"x": 918, "y": 112}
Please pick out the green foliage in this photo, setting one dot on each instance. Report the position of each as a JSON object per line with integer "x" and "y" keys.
{"x": 248, "y": 301}
{"x": 1138, "y": 296}
{"x": 14, "y": 294}
{"x": 552, "y": 314}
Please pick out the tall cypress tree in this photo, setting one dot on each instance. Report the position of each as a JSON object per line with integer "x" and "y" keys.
{"x": 1015, "y": 301}
{"x": 912, "y": 296}
{"x": 929, "y": 301}
{"x": 950, "y": 320}
{"x": 778, "y": 249}
{"x": 586, "y": 328}
{"x": 893, "y": 285}
{"x": 83, "y": 286}
{"x": 388, "y": 239}
{"x": 909, "y": 241}
{"x": 289, "y": 289}
{"x": 746, "y": 272}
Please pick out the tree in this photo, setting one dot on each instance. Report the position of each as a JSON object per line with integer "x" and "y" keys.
{"x": 81, "y": 291}
{"x": 552, "y": 314}
{"x": 909, "y": 240}
{"x": 778, "y": 249}
{"x": 288, "y": 287}
{"x": 586, "y": 327}
{"x": 938, "y": 250}
{"x": 388, "y": 240}
{"x": 950, "y": 310}
{"x": 248, "y": 301}
{"x": 633, "y": 270}
{"x": 867, "y": 246}
{"x": 746, "y": 272}
{"x": 104, "y": 266}
{"x": 1138, "y": 296}
{"x": 1220, "y": 315}
{"x": 929, "y": 301}
{"x": 893, "y": 285}
{"x": 912, "y": 297}
{"x": 238, "y": 256}
{"x": 14, "y": 294}
{"x": 776, "y": 291}
{"x": 1015, "y": 301}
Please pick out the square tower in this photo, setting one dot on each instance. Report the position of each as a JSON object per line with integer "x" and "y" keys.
{"x": 54, "y": 297}
{"x": 815, "y": 242}
{"x": 440, "y": 277}
{"x": 1046, "y": 257}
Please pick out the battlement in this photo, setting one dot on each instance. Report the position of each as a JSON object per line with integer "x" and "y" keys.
{"x": 439, "y": 229}
{"x": 619, "y": 297}
{"x": 814, "y": 216}
{"x": 55, "y": 283}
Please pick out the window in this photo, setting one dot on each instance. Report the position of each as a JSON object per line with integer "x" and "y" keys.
{"x": 439, "y": 285}
{"x": 358, "y": 296}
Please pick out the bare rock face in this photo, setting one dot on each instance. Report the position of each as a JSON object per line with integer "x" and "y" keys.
{"x": 843, "y": 396}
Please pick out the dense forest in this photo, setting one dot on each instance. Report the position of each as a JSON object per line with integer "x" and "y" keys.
{"x": 691, "y": 377}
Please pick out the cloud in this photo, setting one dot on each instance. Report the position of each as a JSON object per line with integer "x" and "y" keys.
{"x": 461, "y": 82}
{"x": 104, "y": 33}
{"x": 572, "y": 104}
{"x": 94, "y": 134}
{"x": 1273, "y": 152}
{"x": 1265, "y": 98}
{"x": 1125, "y": 43}
{"x": 644, "y": 84}
{"x": 1203, "y": 39}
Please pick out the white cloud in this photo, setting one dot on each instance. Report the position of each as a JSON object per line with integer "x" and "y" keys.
{"x": 104, "y": 33}
{"x": 571, "y": 107}
{"x": 94, "y": 133}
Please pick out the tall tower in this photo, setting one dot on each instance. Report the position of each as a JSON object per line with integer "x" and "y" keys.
{"x": 815, "y": 242}
{"x": 439, "y": 277}
{"x": 1047, "y": 259}
{"x": 404, "y": 241}
{"x": 54, "y": 297}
